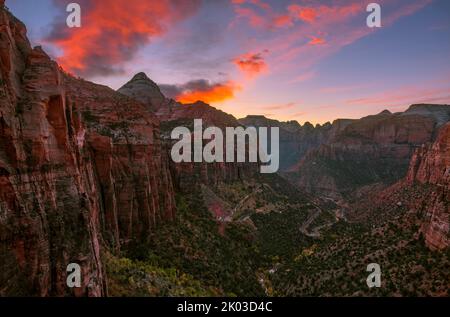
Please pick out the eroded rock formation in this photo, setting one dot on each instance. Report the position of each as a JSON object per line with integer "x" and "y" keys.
{"x": 430, "y": 165}
{"x": 82, "y": 168}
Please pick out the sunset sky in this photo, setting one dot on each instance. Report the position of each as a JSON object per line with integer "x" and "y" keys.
{"x": 299, "y": 60}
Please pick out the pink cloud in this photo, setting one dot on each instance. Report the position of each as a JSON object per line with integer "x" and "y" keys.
{"x": 297, "y": 114}
{"x": 251, "y": 64}
{"x": 303, "y": 77}
{"x": 251, "y": 15}
{"x": 280, "y": 107}
{"x": 316, "y": 41}
{"x": 282, "y": 21}
{"x": 306, "y": 14}
{"x": 295, "y": 48}
{"x": 403, "y": 96}
{"x": 325, "y": 13}
{"x": 300, "y": 37}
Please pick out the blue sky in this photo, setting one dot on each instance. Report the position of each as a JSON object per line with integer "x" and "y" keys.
{"x": 289, "y": 59}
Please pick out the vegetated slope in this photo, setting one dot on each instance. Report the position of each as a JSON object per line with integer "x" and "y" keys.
{"x": 404, "y": 228}
{"x": 227, "y": 252}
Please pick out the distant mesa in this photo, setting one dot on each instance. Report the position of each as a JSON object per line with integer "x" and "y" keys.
{"x": 440, "y": 113}
{"x": 385, "y": 112}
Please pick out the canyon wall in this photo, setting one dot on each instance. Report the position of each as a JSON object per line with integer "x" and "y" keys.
{"x": 295, "y": 140}
{"x": 82, "y": 169}
{"x": 430, "y": 166}
{"x": 372, "y": 150}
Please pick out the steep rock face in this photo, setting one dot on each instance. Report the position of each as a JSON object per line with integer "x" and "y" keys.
{"x": 47, "y": 219}
{"x": 81, "y": 168}
{"x": 374, "y": 149}
{"x": 132, "y": 165}
{"x": 200, "y": 110}
{"x": 424, "y": 192}
{"x": 430, "y": 165}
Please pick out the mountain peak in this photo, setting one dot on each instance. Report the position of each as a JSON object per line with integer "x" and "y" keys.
{"x": 142, "y": 88}
{"x": 141, "y": 76}
{"x": 199, "y": 103}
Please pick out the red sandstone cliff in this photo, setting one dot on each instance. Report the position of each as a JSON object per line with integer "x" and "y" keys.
{"x": 81, "y": 168}
{"x": 430, "y": 165}
{"x": 424, "y": 192}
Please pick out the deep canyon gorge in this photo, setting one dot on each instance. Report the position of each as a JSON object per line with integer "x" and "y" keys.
{"x": 86, "y": 177}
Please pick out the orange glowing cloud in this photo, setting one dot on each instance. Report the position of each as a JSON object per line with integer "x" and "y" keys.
{"x": 306, "y": 14}
{"x": 261, "y": 15}
{"x": 317, "y": 41}
{"x": 212, "y": 94}
{"x": 251, "y": 64}
{"x": 327, "y": 13}
{"x": 111, "y": 34}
